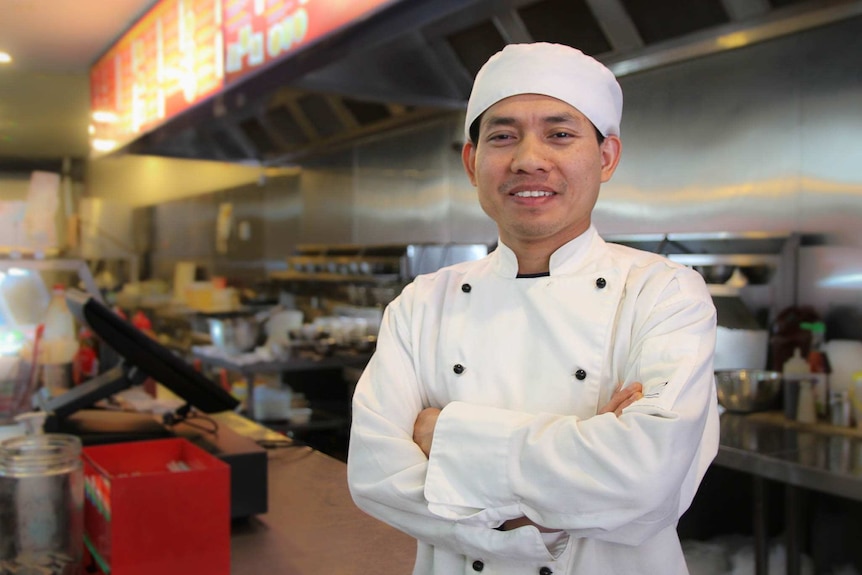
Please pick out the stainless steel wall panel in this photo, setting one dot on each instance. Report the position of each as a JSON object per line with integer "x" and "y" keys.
{"x": 708, "y": 145}
{"x": 754, "y": 139}
{"x": 282, "y": 211}
{"x": 186, "y": 229}
{"x": 831, "y": 162}
{"x": 401, "y": 188}
{"x": 469, "y": 223}
{"x": 326, "y": 187}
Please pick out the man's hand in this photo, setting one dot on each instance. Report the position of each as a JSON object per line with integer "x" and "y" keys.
{"x": 622, "y": 398}
{"x": 423, "y": 429}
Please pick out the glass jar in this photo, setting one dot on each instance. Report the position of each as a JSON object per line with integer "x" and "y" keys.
{"x": 41, "y": 505}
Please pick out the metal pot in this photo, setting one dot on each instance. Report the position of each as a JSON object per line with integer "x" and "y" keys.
{"x": 234, "y": 335}
{"x": 237, "y": 332}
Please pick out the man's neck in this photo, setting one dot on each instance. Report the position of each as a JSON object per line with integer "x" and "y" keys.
{"x": 534, "y": 257}
{"x": 530, "y": 263}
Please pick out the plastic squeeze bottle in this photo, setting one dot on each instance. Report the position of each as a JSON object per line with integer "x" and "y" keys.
{"x": 793, "y": 372}
{"x": 805, "y": 409}
{"x": 818, "y": 363}
{"x": 59, "y": 341}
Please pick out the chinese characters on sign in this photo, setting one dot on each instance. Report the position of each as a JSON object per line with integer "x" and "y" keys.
{"x": 184, "y": 51}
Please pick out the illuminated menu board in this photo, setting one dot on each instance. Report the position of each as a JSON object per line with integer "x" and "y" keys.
{"x": 184, "y": 51}
{"x": 257, "y": 32}
{"x": 169, "y": 60}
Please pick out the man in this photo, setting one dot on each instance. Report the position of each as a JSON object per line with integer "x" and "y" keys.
{"x": 549, "y": 408}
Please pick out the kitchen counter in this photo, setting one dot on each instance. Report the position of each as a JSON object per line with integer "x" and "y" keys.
{"x": 802, "y": 457}
{"x": 313, "y": 526}
{"x": 311, "y": 514}
{"x": 820, "y": 457}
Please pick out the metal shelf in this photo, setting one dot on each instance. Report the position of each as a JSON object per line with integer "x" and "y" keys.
{"x": 742, "y": 260}
{"x": 334, "y": 277}
{"x": 714, "y": 243}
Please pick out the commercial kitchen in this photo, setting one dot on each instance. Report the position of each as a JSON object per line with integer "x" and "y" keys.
{"x": 254, "y": 209}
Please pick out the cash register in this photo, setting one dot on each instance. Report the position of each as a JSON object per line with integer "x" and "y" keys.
{"x": 141, "y": 357}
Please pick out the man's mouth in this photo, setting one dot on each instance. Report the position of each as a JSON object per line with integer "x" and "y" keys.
{"x": 532, "y": 194}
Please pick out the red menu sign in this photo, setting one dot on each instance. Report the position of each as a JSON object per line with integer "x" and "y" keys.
{"x": 183, "y": 51}
{"x": 168, "y": 61}
{"x": 257, "y": 32}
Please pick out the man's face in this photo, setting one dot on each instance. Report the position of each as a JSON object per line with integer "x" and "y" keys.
{"x": 538, "y": 167}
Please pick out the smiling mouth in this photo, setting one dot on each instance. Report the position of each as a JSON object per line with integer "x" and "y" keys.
{"x": 532, "y": 194}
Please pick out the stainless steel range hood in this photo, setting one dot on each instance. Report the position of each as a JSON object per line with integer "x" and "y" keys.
{"x": 417, "y": 60}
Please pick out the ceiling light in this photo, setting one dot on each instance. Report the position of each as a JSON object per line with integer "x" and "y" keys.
{"x": 5, "y": 58}
{"x": 103, "y": 145}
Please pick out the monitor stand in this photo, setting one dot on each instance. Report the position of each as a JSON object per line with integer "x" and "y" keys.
{"x": 84, "y": 396}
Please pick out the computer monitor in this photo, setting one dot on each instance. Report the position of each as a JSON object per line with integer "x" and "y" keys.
{"x": 142, "y": 357}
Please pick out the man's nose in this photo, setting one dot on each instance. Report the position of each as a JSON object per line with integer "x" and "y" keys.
{"x": 530, "y": 155}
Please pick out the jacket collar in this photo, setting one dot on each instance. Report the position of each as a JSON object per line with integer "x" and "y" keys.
{"x": 567, "y": 259}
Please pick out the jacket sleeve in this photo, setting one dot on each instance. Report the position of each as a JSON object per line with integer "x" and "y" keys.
{"x": 386, "y": 469}
{"x": 617, "y": 479}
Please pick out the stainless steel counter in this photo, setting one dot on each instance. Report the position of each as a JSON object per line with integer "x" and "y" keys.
{"x": 313, "y": 526}
{"x": 818, "y": 457}
{"x": 770, "y": 448}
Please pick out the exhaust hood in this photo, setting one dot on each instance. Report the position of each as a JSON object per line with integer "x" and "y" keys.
{"x": 417, "y": 60}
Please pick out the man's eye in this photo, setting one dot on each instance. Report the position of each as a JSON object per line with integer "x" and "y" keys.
{"x": 499, "y": 137}
{"x": 561, "y": 135}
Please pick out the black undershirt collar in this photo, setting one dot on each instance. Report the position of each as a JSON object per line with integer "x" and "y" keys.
{"x": 538, "y": 275}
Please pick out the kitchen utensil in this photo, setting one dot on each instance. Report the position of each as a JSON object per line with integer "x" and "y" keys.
{"x": 234, "y": 334}
{"x": 280, "y": 324}
{"x": 238, "y": 332}
{"x": 747, "y": 390}
{"x": 715, "y": 274}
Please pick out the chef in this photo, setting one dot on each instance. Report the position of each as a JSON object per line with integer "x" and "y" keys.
{"x": 549, "y": 408}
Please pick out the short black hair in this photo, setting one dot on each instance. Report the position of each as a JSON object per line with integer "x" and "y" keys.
{"x": 474, "y": 130}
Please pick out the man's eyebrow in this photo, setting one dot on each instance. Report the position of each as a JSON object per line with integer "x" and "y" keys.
{"x": 560, "y": 119}
{"x": 495, "y": 121}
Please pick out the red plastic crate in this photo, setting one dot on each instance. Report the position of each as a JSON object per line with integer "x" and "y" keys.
{"x": 160, "y": 506}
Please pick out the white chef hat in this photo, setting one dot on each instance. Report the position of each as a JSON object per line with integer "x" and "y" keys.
{"x": 553, "y": 70}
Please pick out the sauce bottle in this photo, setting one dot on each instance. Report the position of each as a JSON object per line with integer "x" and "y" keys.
{"x": 793, "y": 372}
{"x": 818, "y": 363}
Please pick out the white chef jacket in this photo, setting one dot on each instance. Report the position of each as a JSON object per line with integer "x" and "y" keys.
{"x": 520, "y": 367}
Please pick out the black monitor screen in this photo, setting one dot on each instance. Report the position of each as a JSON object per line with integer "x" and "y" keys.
{"x": 147, "y": 355}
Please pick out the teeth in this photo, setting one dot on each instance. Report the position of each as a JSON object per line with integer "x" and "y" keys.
{"x": 533, "y": 194}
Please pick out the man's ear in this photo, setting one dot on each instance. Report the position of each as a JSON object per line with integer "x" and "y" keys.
{"x": 611, "y": 150}
{"x": 468, "y": 158}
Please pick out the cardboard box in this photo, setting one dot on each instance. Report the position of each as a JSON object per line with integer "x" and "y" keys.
{"x": 160, "y": 506}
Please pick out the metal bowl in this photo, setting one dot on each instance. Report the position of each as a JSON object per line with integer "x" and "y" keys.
{"x": 747, "y": 390}
{"x": 757, "y": 275}
{"x": 234, "y": 334}
{"x": 716, "y": 274}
